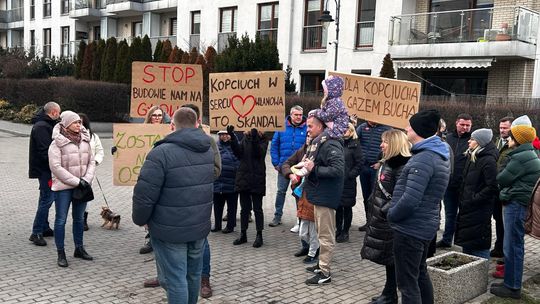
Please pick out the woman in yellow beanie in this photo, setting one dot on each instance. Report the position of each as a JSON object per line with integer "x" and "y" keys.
{"x": 516, "y": 182}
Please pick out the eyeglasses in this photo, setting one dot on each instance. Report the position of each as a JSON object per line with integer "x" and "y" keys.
{"x": 157, "y": 115}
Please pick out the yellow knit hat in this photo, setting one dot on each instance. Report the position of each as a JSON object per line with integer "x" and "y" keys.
{"x": 522, "y": 130}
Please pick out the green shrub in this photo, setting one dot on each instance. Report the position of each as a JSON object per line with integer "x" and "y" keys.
{"x": 26, "y": 114}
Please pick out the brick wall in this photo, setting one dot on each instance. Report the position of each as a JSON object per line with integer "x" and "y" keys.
{"x": 511, "y": 78}
{"x": 498, "y": 79}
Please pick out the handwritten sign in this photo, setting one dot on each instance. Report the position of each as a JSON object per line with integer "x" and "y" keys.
{"x": 386, "y": 101}
{"x": 168, "y": 85}
{"x": 247, "y": 100}
{"x": 133, "y": 142}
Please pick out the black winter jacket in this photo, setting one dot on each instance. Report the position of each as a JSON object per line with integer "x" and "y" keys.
{"x": 324, "y": 184}
{"x": 478, "y": 193}
{"x": 173, "y": 194}
{"x": 251, "y": 174}
{"x": 229, "y": 166}
{"x": 40, "y": 140}
{"x": 353, "y": 163}
{"x": 459, "y": 145}
{"x": 378, "y": 240}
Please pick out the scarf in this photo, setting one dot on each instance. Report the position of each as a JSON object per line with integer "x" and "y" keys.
{"x": 74, "y": 137}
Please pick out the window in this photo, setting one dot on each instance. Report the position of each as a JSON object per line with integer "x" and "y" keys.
{"x": 97, "y": 32}
{"x": 46, "y": 8}
{"x": 314, "y": 33}
{"x": 310, "y": 82}
{"x": 195, "y": 31}
{"x": 32, "y": 9}
{"x": 469, "y": 82}
{"x": 136, "y": 29}
{"x": 268, "y": 21}
{"x": 173, "y": 26}
{"x": 32, "y": 43}
{"x": 365, "y": 24}
{"x": 64, "y": 46}
{"x": 65, "y": 7}
{"x": 227, "y": 26}
{"x": 47, "y": 42}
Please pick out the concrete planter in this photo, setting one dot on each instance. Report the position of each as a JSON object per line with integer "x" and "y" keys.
{"x": 459, "y": 284}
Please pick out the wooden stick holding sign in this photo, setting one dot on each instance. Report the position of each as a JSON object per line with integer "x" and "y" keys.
{"x": 133, "y": 142}
{"x": 247, "y": 100}
{"x": 167, "y": 85}
{"x": 386, "y": 101}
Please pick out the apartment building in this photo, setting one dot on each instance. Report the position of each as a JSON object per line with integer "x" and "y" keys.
{"x": 478, "y": 47}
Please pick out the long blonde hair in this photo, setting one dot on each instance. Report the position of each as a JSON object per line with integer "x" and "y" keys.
{"x": 398, "y": 144}
{"x": 473, "y": 153}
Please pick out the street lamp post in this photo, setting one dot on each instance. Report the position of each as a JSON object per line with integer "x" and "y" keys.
{"x": 326, "y": 19}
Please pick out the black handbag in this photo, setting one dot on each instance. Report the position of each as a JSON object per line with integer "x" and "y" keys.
{"x": 82, "y": 194}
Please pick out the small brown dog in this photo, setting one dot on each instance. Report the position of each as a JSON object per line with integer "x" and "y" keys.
{"x": 110, "y": 218}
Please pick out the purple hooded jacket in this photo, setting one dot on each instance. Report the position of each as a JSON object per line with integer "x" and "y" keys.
{"x": 333, "y": 109}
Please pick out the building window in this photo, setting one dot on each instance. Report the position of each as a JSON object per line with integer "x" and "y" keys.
{"x": 310, "y": 82}
{"x": 173, "y": 26}
{"x": 97, "y": 32}
{"x": 32, "y": 43}
{"x": 195, "y": 30}
{"x": 463, "y": 82}
{"x": 46, "y": 8}
{"x": 136, "y": 29}
{"x": 65, "y": 42}
{"x": 65, "y": 7}
{"x": 268, "y": 20}
{"x": 227, "y": 26}
{"x": 365, "y": 24}
{"x": 32, "y": 9}
{"x": 314, "y": 33}
{"x": 47, "y": 42}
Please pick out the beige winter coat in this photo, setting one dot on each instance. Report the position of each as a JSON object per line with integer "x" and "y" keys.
{"x": 69, "y": 162}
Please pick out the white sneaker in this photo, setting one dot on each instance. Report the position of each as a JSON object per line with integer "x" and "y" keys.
{"x": 295, "y": 229}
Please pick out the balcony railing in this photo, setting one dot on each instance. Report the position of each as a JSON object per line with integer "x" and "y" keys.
{"x": 314, "y": 37}
{"x": 364, "y": 34}
{"x": 474, "y": 25}
{"x": 12, "y": 15}
{"x": 82, "y": 4}
{"x": 122, "y": 1}
{"x": 270, "y": 34}
{"x": 223, "y": 40}
{"x": 194, "y": 41}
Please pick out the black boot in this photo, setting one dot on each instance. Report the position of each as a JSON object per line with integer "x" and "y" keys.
{"x": 62, "y": 261}
{"x": 86, "y": 221}
{"x": 258, "y": 240}
{"x": 385, "y": 299}
{"x": 242, "y": 239}
{"x": 82, "y": 254}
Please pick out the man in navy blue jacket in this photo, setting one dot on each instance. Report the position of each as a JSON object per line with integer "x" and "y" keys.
{"x": 284, "y": 144}
{"x": 414, "y": 208}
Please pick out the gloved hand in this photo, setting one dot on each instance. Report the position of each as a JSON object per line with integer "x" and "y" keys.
{"x": 230, "y": 130}
{"x": 254, "y": 133}
{"x": 83, "y": 183}
{"x": 113, "y": 149}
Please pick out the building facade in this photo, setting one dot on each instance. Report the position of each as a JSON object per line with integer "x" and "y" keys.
{"x": 473, "y": 47}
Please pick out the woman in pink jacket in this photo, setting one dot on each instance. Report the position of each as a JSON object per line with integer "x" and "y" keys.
{"x": 72, "y": 165}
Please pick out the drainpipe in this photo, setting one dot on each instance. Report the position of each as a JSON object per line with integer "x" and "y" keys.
{"x": 291, "y": 20}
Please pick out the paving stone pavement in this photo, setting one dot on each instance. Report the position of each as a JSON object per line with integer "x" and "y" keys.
{"x": 240, "y": 274}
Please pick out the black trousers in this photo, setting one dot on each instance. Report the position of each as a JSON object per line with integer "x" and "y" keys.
{"x": 249, "y": 201}
{"x": 219, "y": 203}
{"x": 390, "y": 287}
{"x": 343, "y": 219}
{"x": 499, "y": 226}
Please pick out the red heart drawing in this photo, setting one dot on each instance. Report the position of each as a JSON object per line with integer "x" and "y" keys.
{"x": 243, "y": 100}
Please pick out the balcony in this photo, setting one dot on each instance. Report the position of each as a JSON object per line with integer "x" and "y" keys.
{"x": 194, "y": 41}
{"x": 86, "y": 10}
{"x": 223, "y": 40}
{"x": 124, "y": 8}
{"x": 13, "y": 16}
{"x": 509, "y": 32}
{"x": 314, "y": 38}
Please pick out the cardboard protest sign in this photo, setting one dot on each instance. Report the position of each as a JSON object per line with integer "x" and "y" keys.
{"x": 167, "y": 85}
{"x": 133, "y": 142}
{"x": 386, "y": 101}
{"x": 247, "y": 100}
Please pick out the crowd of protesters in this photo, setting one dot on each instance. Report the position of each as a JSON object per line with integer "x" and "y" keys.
{"x": 406, "y": 176}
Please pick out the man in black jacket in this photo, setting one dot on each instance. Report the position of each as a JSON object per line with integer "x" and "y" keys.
{"x": 173, "y": 198}
{"x": 40, "y": 140}
{"x": 459, "y": 142}
{"x": 324, "y": 186}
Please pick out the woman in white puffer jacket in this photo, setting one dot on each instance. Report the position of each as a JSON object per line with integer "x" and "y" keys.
{"x": 72, "y": 165}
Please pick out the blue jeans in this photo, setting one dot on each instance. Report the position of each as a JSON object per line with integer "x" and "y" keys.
{"x": 206, "y": 259}
{"x": 484, "y": 253}
{"x": 282, "y": 185}
{"x": 46, "y": 198}
{"x": 367, "y": 181}
{"x": 514, "y": 244}
{"x": 412, "y": 277}
{"x": 451, "y": 206}
{"x": 62, "y": 202}
{"x": 179, "y": 269}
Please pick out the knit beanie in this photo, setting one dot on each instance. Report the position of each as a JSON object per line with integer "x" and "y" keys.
{"x": 482, "y": 136}
{"x": 69, "y": 117}
{"x": 425, "y": 123}
{"x": 522, "y": 130}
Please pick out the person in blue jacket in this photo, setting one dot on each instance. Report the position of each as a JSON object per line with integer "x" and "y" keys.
{"x": 284, "y": 144}
{"x": 414, "y": 209}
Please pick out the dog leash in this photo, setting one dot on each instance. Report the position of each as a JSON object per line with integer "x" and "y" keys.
{"x": 102, "y": 193}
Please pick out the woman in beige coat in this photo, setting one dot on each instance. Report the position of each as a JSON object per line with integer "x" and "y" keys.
{"x": 72, "y": 165}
